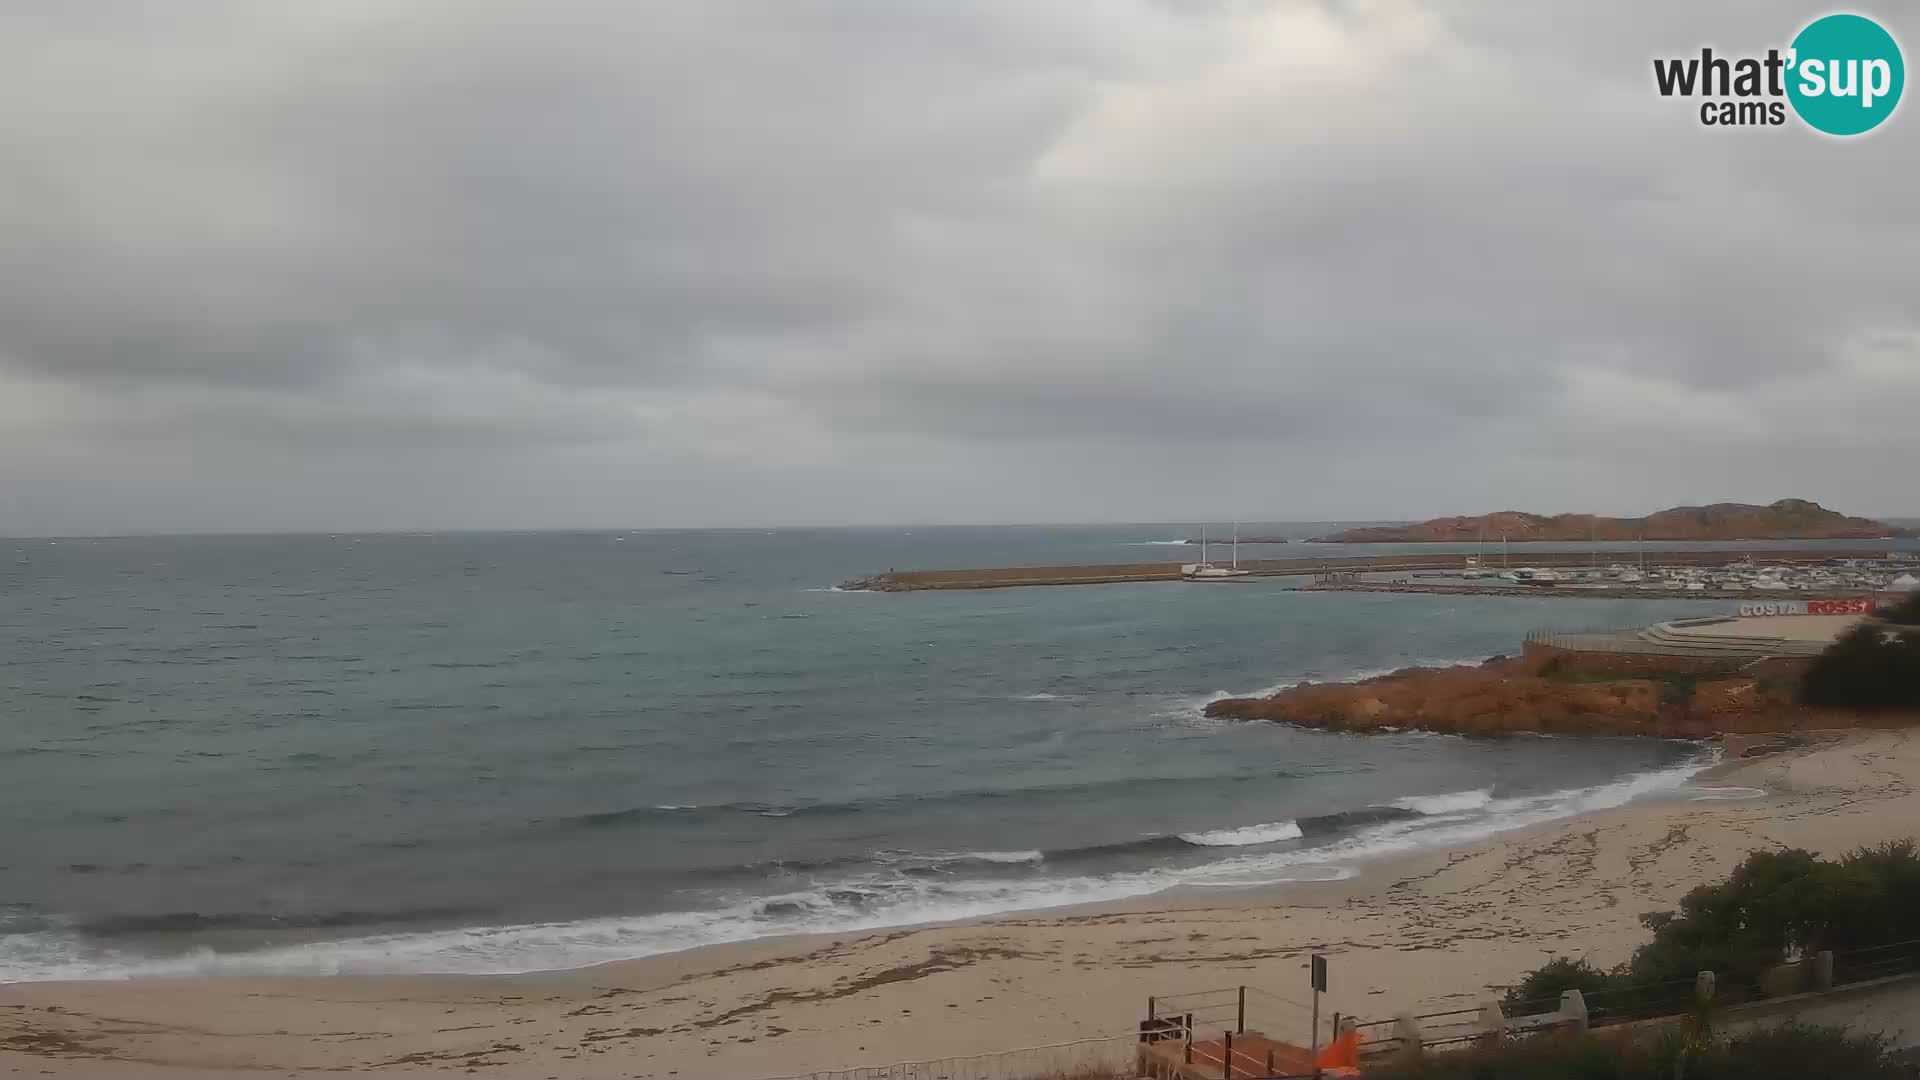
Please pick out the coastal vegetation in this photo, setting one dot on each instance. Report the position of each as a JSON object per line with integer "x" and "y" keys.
{"x": 1790, "y": 1052}
{"x": 1904, "y": 613}
{"x": 1874, "y": 667}
{"x": 1777, "y": 905}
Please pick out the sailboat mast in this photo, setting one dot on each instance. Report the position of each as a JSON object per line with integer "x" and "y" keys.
{"x": 1236, "y": 545}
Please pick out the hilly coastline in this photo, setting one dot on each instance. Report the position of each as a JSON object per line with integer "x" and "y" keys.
{"x": 1787, "y": 519}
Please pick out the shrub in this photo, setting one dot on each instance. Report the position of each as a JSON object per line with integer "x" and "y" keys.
{"x": 1798, "y": 1050}
{"x": 1905, "y": 613}
{"x": 1776, "y": 903}
{"x": 1677, "y": 689}
{"x": 1540, "y": 991}
{"x": 1783, "y": 1053}
{"x": 1868, "y": 668}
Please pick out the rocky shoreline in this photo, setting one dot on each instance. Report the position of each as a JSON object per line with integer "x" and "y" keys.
{"x": 1530, "y": 695}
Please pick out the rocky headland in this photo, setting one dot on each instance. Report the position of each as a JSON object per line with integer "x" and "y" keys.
{"x": 1508, "y": 696}
{"x": 1787, "y": 519}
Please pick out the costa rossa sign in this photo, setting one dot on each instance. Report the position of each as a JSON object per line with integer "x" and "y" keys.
{"x": 1856, "y": 606}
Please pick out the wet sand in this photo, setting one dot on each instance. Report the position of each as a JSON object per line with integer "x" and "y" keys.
{"x": 1437, "y": 930}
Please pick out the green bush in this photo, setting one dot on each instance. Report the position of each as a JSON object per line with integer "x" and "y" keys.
{"x": 1796, "y": 1050}
{"x": 1540, "y": 991}
{"x": 1906, "y": 612}
{"x": 1869, "y": 668}
{"x": 1677, "y": 689}
{"x": 1775, "y": 904}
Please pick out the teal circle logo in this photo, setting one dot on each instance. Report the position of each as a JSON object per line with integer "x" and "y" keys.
{"x": 1846, "y": 74}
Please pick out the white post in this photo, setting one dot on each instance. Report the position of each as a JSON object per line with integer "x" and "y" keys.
{"x": 1573, "y": 1010}
{"x": 1493, "y": 1022}
{"x": 1407, "y": 1030}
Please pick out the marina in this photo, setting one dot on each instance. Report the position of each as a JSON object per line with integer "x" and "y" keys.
{"x": 1691, "y": 573}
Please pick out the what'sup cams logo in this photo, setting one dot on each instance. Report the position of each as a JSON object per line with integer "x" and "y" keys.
{"x": 1842, "y": 75}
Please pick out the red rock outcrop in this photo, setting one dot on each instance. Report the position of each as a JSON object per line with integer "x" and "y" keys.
{"x": 1505, "y": 697}
{"x": 1787, "y": 519}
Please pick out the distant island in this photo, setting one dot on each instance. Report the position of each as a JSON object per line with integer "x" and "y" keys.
{"x": 1787, "y": 519}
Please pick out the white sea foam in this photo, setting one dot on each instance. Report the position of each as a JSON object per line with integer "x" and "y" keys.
{"x": 1288, "y": 876}
{"x": 1271, "y": 832}
{"x": 549, "y": 946}
{"x": 857, "y": 904}
{"x": 1043, "y": 696}
{"x": 1449, "y": 803}
{"x": 1003, "y": 856}
{"x": 1728, "y": 794}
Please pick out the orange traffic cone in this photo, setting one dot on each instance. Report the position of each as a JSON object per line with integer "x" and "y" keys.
{"x": 1342, "y": 1055}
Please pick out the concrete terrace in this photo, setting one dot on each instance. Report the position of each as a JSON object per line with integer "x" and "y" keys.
{"x": 1714, "y": 637}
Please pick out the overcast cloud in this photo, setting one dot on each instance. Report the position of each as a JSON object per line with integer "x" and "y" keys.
{"x": 370, "y": 264}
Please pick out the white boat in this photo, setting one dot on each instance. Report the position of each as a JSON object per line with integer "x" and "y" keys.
{"x": 1472, "y": 567}
{"x": 1206, "y": 571}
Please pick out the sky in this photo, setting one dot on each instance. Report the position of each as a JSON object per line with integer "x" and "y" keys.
{"x": 447, "y": 264}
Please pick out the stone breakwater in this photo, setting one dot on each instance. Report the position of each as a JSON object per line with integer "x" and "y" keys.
{"x": 1505, "y": 696}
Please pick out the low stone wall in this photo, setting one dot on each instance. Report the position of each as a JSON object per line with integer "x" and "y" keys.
{"x": 1545, "y": 658}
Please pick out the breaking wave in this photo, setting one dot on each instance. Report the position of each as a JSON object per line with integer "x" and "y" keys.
{"x": 1270, "y": 833}
{"x": 842, "y": 895}
{"x": 1450, "y": 803}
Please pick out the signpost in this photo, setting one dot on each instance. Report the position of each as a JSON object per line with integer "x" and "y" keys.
{"x": 1319, "y": 972}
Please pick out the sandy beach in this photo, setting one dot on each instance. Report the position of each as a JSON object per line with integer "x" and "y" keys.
{"x": 1434, "y": 930}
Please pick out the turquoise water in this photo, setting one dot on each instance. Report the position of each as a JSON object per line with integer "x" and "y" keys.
{"x": 499, "y": 752}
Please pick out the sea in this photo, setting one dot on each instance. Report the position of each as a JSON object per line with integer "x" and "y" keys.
{"x": 506, "y": 752}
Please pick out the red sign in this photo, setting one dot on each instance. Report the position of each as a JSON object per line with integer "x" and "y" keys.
{"x": 1859, "y": 606}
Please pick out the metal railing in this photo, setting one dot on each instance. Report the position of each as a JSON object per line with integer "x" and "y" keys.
{"x": 1237, "y": 1009}
{"x": 1876, "y": 962}
{"x": 1231, "y": 1029}
{"x": 1652, "y": 1000}
{"x": 1189, "y": 1018}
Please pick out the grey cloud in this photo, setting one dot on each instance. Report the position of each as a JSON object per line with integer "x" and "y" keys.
{"x": 819, "y": 243}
